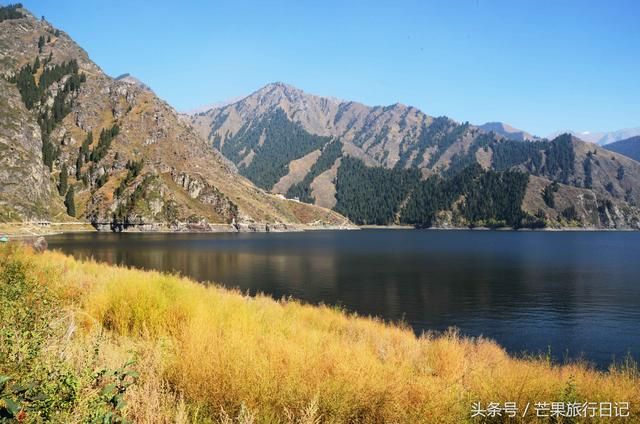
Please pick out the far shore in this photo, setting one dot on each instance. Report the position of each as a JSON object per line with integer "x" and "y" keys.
{"x": 16, "y": 230}
{"x": 29, "y": 230}
{"x": 547, "y": 229}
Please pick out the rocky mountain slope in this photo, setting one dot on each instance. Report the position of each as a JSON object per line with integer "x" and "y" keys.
{"x": 75, "y": 143}
{"x": 629, "y": 147}
{"x": 375, "y": 164}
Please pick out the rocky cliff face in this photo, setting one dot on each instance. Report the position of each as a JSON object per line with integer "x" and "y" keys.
{"x": 126, "y": 156}
{"x": 293, "y": 143}
{"x": 26, "y": 191}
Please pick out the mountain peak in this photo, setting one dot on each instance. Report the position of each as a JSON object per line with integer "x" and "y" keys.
{"x": 280, "y": 89}
{"x": 507, "y": 131}
{"x": 281, "y": 85}
{"x": 130, "y": 79}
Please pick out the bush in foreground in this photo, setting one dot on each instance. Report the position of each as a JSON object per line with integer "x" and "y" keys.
{"x": 71, "y": 330}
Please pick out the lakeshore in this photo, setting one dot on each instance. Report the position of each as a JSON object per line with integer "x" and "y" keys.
{"x": 190, "y": 352}
{"x": 567, "y": 292}
{"x": 27, "y": 230}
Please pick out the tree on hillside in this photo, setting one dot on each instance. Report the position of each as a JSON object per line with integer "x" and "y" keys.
{"x": 547, "y": 194}
{"x": 84, "y": 149}
{"x": 49, "y": 152}
{"x": 570, "y": 213}
{"x": 10, "y": 12}
{"x": 63, "y": 180}
{"x": 588, "y": 169}
{"x": 79, "y": 163}
{"x": 69, "y": 202}
{"x": 104, "y": 142}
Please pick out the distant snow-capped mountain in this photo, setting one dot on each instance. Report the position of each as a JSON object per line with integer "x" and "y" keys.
{"x": 601, "y": 137}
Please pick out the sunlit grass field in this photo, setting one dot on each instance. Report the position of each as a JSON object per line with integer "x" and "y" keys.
{"x": 100, "y": 341}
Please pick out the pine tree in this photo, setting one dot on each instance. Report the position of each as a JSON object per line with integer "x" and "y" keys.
{"x": 570, "y": 213}
{"x": 41, "y": 42}
{"x": 69, "y": 202}
{"x": 49, "y": 153}
{"x": 63, "y": 181}
{"x": 548, "y": 194}
{"x": 79, "y": 166}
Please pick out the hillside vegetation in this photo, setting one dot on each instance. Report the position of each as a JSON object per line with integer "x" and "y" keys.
{"x": 82, "y": 341}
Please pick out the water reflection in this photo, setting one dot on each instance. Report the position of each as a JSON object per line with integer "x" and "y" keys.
{"x": 575, "y": 292}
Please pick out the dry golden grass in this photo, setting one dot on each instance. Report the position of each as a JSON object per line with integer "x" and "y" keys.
{"x": 207, "y": 354}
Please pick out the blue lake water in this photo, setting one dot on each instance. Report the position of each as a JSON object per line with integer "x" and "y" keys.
{"x": 575, "y": 293}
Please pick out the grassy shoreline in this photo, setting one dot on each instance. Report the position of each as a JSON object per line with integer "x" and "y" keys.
{"x": 208, "y": 354}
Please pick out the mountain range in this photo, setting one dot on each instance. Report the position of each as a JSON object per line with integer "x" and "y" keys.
{"x": 602, "y": 137}
{"x": 508, "y": 131}
{"x": 397, "y": 165}
{"x": 78, "y": 144}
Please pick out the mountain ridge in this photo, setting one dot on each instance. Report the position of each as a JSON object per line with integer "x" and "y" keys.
{"x": 507, "y": 131}
{"x": 629, "y": 147}
{"x": 498, "y": 127}
{"x": 401, "y": 139}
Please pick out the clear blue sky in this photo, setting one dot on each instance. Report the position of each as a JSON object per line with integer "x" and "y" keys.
{"x": 540, "y": 65}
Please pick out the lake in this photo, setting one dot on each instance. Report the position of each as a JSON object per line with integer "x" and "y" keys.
{"x": 576, "y": 293}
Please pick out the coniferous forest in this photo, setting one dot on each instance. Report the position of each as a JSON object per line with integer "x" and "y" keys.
{"x": 372, "y": 196}
{"x": 10, "y": 12}
{"x": 288, "y": 141}
{"x": 380, "y": 196}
